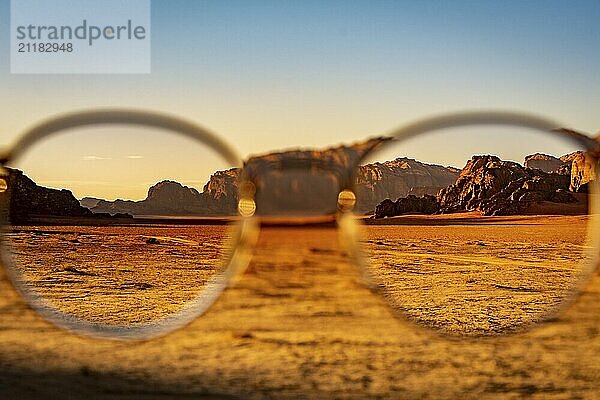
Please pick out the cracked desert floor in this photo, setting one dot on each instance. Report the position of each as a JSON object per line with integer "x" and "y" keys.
{"x": 301, "y": 322}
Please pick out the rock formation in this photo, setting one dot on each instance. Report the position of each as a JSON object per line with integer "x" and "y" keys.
{"x": 400, "y": 178}
{"x": 583, "y": 170}
{"x": 166, "y": 192}
{"x": 308, "y": 182}
{"x": 482, "y": 178}
{"x": 221, "y": 192}
{"x": 27, "y": 200}
{"x": 169, "y": 198}
{"x": 410, "y": 204}
{"x": 494, "y": 187}
{"x": 89, "y": 202}
{"x": 304, "y": 181}
{"x": 544, "y": 162}
{"x": 497, "y": 187}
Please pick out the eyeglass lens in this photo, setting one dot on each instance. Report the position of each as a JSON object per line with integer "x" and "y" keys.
{"x": 119, "y": 225}
{"x": 477, "y": 230}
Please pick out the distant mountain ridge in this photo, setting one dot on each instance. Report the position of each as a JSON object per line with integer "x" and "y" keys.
{"x": 312, "y": 181}
{"x": 316, "y": 182}
{"x": 170, "y": 198}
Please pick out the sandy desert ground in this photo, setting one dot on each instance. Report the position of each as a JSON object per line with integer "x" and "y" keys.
{"x": 466, "y": 274}
{"x": 302, "y": 324}
{"x": 120, "y": 274}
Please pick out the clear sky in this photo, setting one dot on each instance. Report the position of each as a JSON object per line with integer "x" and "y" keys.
{"x": 268, "y": 75}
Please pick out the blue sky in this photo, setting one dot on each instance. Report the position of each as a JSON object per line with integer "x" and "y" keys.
{"x": 268, "y": 75}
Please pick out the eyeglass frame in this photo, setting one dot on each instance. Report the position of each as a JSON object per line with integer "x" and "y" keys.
{"x": 245, "y": 231}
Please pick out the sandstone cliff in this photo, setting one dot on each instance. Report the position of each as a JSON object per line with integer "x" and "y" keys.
{"x": 582, "y": 170}
{"x": 27, "y": 200}
{"x": 297, "y": 181}
{"x": 544, "y": 162}
{"x": 169, "y": 198}
{"x": 497, "y": 187}
{"x": 400, "y": 178}
{"x": 221, "y": 192}
{"x": 410, "y": 204}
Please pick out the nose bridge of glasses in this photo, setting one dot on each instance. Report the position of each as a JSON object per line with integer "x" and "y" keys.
{"x": 301, "y": 184}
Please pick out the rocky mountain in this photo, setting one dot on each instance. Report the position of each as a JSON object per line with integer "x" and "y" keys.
{"x": 582, "y": 170}
{"x": 578, "y": 165}
{"x": 221, "y": 192}
{"x": 544, "y": 162}
{"x": 27, "y": 200}
{"x": 496, "y": 187}
{"x": 410, "y": 204}
{"x": 400, "y": 178}
{"x": 291, "y": 182}
{"x": 308, "y": 181}
{"x": 169, "y": 198}
{"x": 89, "y": 202}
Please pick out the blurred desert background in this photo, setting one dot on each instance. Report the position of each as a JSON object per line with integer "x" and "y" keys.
{"x": 466, "y": 269}
{"x": 300, "y": 324}
{"x": 474, "y": 239}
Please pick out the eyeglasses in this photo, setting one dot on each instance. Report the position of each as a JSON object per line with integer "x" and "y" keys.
{"x": 129, "y": 224}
